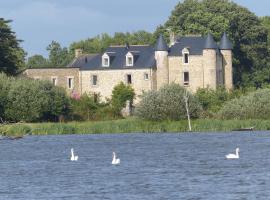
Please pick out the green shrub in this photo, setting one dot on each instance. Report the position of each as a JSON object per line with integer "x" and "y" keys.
{"x": 86, "y": 107}
{"x": 167, "y": 104}
{"x": 120, "y": 95}
{"x": 59, "y": 104}
{"x": 5, "y": 83}
{"x": 255, "y": 105}
{"x": 106, "y": 113}
{"x": 32, "y": 101}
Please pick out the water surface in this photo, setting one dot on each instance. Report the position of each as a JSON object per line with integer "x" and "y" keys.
{"x": 153, "y": 166}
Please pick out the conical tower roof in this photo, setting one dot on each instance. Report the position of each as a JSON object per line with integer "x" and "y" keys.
{"x": 210, "y": 42}
{"x": 225, "y": 43}
{"x": 161, "y": 45}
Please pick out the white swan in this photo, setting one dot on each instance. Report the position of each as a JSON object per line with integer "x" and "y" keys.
{"x": 115, "y": 161}
{"x": 234, "y": 156}
{"x": 73, "y": 158}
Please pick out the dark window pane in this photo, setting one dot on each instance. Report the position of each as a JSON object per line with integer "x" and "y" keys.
{"x": 186, "y": 78}
{"x": 94, "y": 79}
{"x": 186, "y": 57}
{"x": 129, "y": 81}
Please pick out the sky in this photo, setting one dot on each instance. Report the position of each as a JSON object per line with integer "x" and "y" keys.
{"x": 38, "y": 22}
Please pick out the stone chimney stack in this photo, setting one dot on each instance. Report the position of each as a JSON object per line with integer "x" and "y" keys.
{"x": 78, "y": 53}
{"x": 172, "y": 38}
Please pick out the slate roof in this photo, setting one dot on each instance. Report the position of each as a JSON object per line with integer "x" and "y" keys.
{"x": 144, "y": 55}
{"x": 225, "y": 43}
{"x": 210, "y": 42}
{"x": 144, "y": 58}
{"x": 194, "y": 44}
{"x": 161, "y": 45}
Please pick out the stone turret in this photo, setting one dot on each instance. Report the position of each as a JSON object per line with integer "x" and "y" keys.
{"x": 210, "y": 62}
{"x": 161, "y": 56}
{"x": 226, "y": 51}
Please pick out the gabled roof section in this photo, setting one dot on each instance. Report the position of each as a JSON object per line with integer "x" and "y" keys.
{"x": 225, "y": 43}
{"x": 210, "y": 42}
{"x": 82, "y": 60}
{"x": 194, "y": 44}
{"x": 161, "y": 45}
{"x": 144, "y": 58}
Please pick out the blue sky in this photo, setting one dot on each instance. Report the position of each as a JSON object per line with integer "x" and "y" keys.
{"x": 38, "y": 22}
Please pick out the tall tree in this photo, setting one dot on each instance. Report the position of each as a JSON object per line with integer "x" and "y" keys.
{"x": 248, "y": 35}
{"x": 58, "y": 56}
{"x": 11, "y": 54}
{"x": 266, "y": 23}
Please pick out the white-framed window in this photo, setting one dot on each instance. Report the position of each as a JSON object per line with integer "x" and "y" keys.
{"x": 129, "y": 79}
{"x": 186, "y": 78}
{"x": 94, "y": 80}
{"x": 105, "y": 60}
{"x": 54, "y": 80}
{"x": 129, "y": 59}
{"x": 185, "y": 54}
{"x": 70, "y": 82}
{"x": 146, "y": 76}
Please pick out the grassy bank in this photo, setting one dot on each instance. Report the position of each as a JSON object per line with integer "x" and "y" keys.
{"x": 130, "y": 125}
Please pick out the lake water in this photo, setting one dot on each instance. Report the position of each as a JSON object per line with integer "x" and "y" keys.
{"x": 153, "y": 166}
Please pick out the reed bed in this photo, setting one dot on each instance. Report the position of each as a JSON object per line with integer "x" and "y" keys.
{"x": 131, "y": 125}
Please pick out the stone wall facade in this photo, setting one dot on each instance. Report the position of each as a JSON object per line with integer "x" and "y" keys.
{"x": 60, "y": 76}
{"x": 204, "y": 70}
{"x": 227, "y": 68}
{"x": 141, "y": 80}
{"x": 210, "y": 69}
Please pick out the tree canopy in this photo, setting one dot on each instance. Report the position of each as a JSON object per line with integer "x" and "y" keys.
{"x": 58, "y": 56}
{"x": 11, "y": 54}
{"x": 37, "y": 61}
{"x": 99, "y": 43}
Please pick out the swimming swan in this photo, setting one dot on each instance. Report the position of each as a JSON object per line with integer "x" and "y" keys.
{"x": 73, "y": 158}
{"x": 115, "y": 161}
{"x": 233, "y": 156}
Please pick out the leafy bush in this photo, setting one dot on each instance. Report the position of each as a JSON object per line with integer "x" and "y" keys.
{"x": 167, "y": 104}
{"x": 106, "y": 113}
{"x": 213, "y": 100}
{"x": 85, "y": 107}
{"x": 255, "y": 105}
{"x": 120, "y": 95}
{"x": 31, "y": 101}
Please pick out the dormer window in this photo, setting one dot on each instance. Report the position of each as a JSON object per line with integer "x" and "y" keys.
{"x": 185, "y": 54}
{"x": 129, "y": 59}
{"x": 105, "y": 60}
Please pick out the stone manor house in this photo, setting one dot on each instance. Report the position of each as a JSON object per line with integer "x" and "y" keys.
{"x": 191, "y": 61}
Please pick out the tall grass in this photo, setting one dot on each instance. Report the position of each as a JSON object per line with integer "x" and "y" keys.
{"x": 132, "y": 125}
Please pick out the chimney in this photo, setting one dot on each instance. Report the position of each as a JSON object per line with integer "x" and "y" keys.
{"x": 127, "y": 46}
{"x": 78, "y": 53}
{"x": 172, "y": 38}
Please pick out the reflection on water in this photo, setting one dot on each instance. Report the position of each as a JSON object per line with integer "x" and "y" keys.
{"x": 153, "y": 166}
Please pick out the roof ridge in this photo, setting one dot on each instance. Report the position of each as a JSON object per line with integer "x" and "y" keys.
{"x": 135, "y": 45}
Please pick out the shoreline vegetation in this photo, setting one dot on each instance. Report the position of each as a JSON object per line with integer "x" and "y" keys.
{"x": 130, "y": 125}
